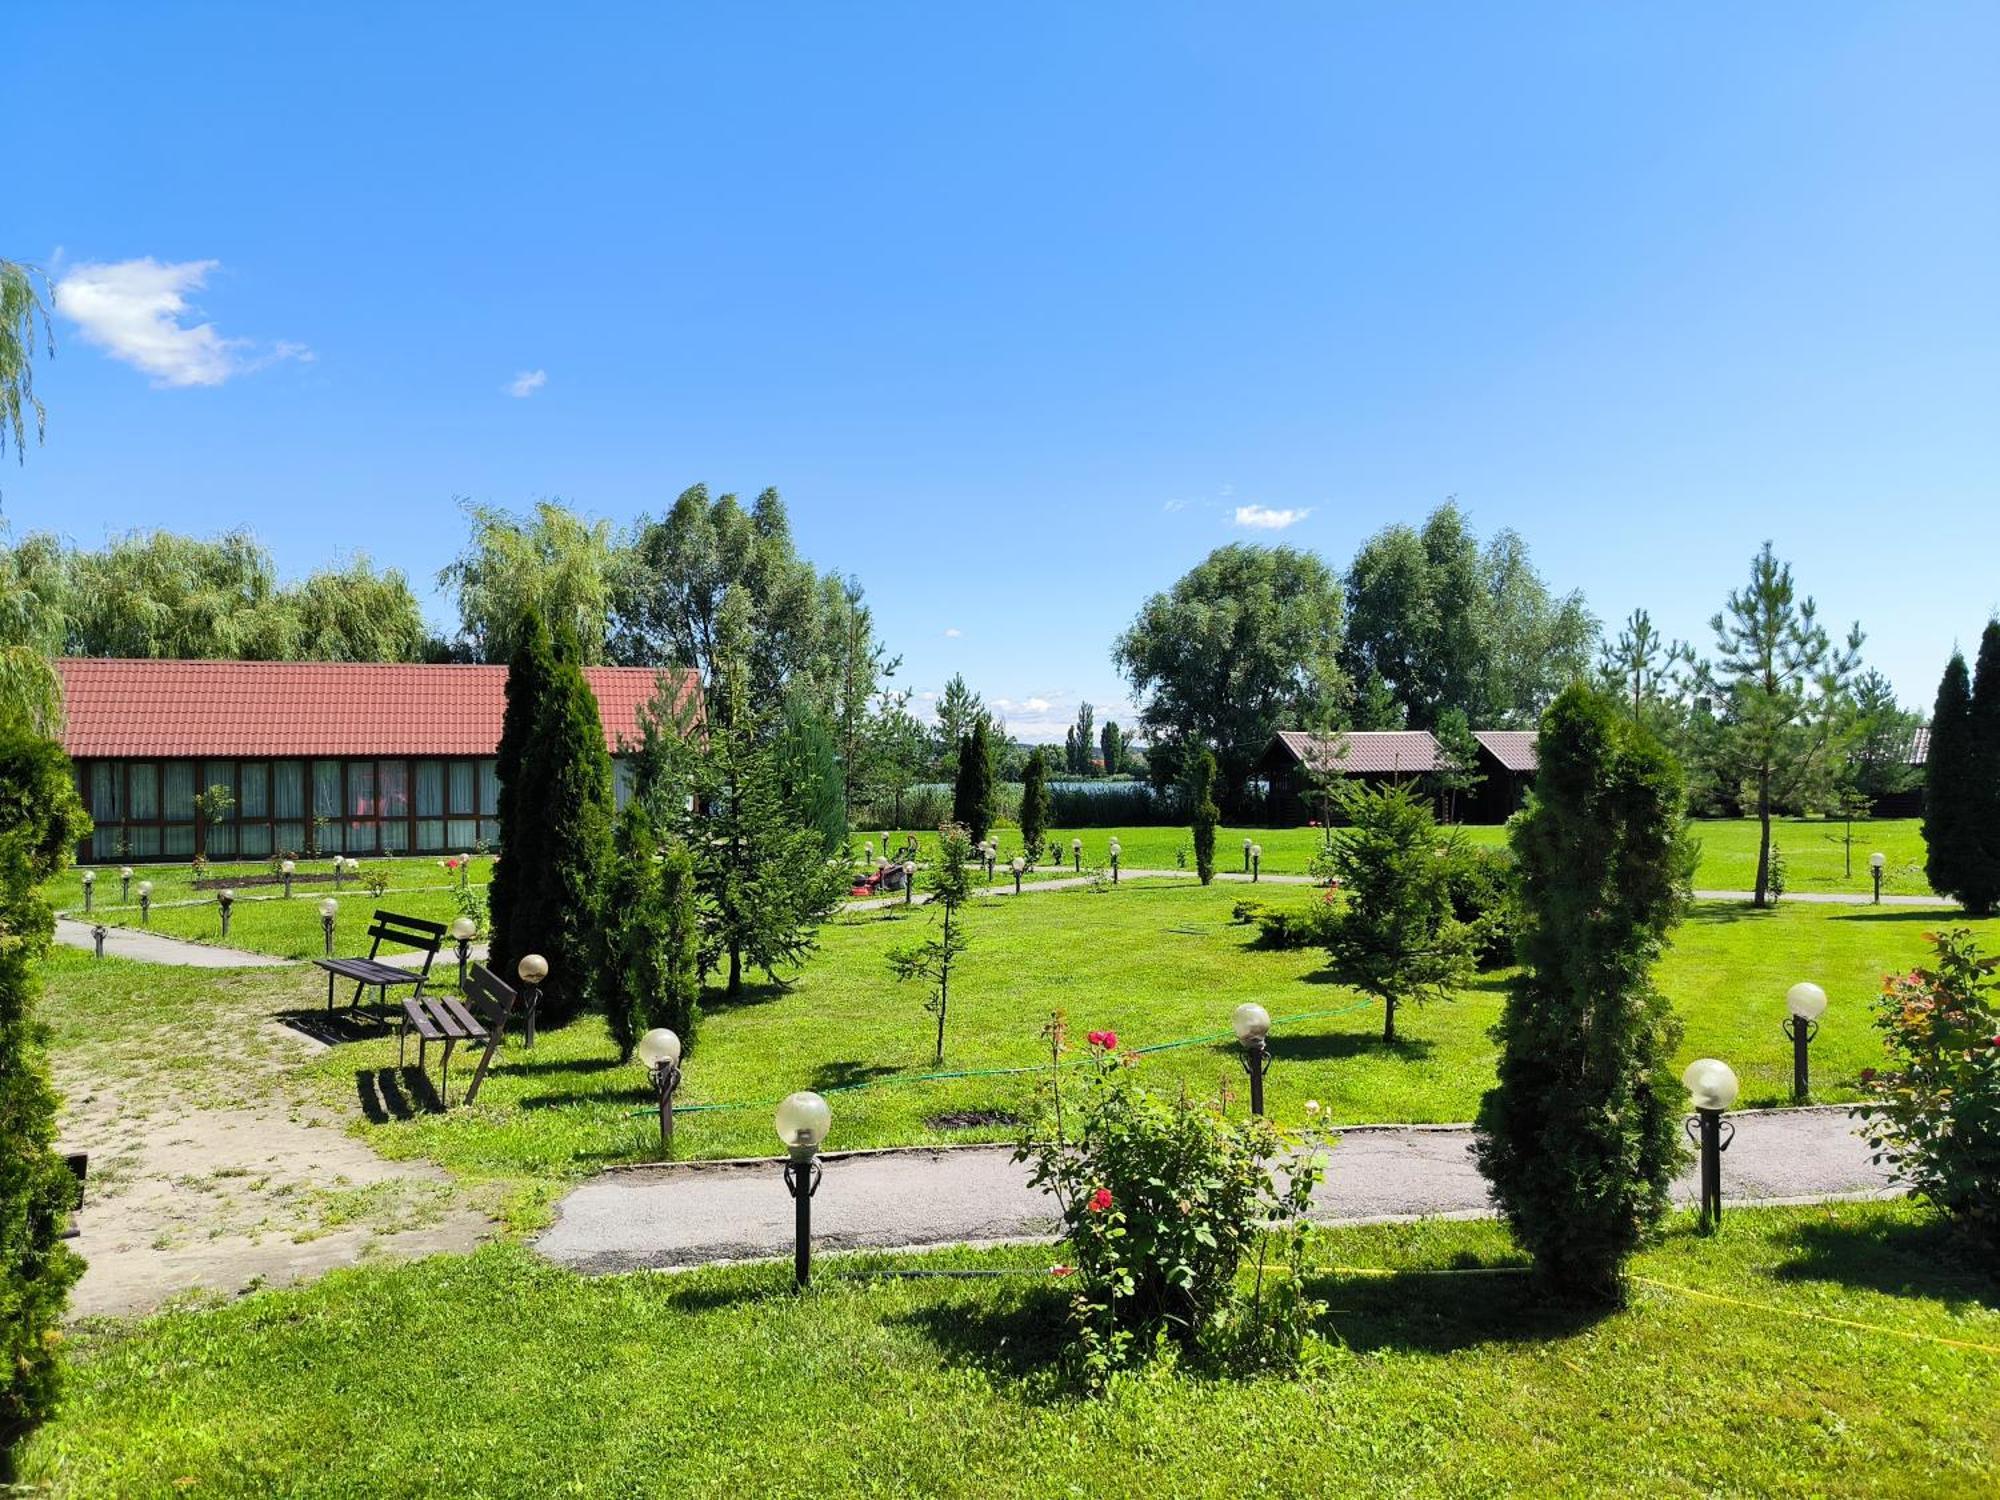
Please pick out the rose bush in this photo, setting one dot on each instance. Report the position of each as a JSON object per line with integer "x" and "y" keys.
{"x": 1935, "y": 1110}
{"x": 1164, "y": 1201}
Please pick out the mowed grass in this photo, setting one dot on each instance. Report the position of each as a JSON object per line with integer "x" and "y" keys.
{"x": 263, "y": 919}
{"x": 1831, "y": 1350}
{"x": 1160, "y": 963}
{"x": 1815, "y": 851}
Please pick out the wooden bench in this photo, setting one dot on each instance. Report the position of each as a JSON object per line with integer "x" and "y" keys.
{"x": 410, "y": 932}
{"x": 480, "y": 1017}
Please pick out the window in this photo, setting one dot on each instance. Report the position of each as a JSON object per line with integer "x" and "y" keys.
{"x": 145, "y": 792}
{"x": 464, "y": 834}
{"x": 288, "y": 792}
{"x": 489, "y": 787}
{"x": 107, "y": 789}
{"x": 326, "y": 789}
{"x": 462, "y": 773}
{"x": 393, "y": 785}
{"x": 253, "y": 791}
{"x": 430, "y": 790}
{"x": 361, "y": 789}
{"x": 178, "y": 803}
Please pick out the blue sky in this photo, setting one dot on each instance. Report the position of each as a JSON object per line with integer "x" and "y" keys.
{"x": 1020, "y": 306}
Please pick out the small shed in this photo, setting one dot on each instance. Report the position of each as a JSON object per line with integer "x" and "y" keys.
{"x": 1294, "y": 759}
{"x": 1507, "y": 761}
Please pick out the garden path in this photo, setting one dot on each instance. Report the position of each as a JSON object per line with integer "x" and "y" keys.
{"x": 701, "y": 1212}
{"x": 153, "y": 948}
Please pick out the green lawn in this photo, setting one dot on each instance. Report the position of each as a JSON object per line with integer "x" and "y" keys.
{"x": 1159, "y": 963}
{"x": 263, "y": 919}
{"x": 1737, "y": 1370}
{"x": 1815, "y": 851}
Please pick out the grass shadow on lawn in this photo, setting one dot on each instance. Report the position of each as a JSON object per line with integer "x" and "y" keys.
{"x": 331, "y": 1028}
{"x": 1926, "y": 1259}
{"x": 1933, "y": 915}
{"x": 1020, "y": 1340}
{"x": 1417, "y": 1313}
{"x": 714, "y": 1000}
{"x": 1338, "y": 1046}
{"x": 1725, "y": 913}
{"x": 849, "y": 1073}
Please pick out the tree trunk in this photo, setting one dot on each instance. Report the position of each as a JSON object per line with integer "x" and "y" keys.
{"x": 735, "y": 967}
{"x": 1763, "y": 835}
{"x": 1389, "y": 1020}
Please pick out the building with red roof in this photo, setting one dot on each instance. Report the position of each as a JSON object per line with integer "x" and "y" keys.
{"x": 330, "y": 757}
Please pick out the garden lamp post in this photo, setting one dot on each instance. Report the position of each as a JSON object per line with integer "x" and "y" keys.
{"x": 909, "y": 881}
{"x": 1246, "y": 856}
{"x": 1076, "y": 854}
{"x": 803, "y": 1120}
{"x": 224, "y": 900}
{"x": 1806, "y": 1002}
{"x": 1252, "y": 1025}
{"x": 328, "y": 910}
{"x": 532, "y": 969}
{"x": 146, "y": 902}
{"x": 1018, "y": 866}
{"x": 97, "y": 936}
{"x": 462, "y": 929}
{"x": 1256, "y": 863}
{"x": 989, "y": 851}
{"x": 1875, "y": 863}
{"x": 1711, "y": 1083}
{"x": 288, "y": 869}
{"x": 1116, "y": 850}
{"x": 339, "y": 871}
{"x": 125, "y": 886}
{"x": 89, "y": 881}
{"x": 868, "y": 851}
{"x": 660, "y": 1051}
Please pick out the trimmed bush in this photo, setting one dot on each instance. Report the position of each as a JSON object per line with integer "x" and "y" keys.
{"x": 41, "y": 820}
{"x": 1480, "y": 881}
{"x": 1034, "y": 806}
{"x": 1201, "y": 798}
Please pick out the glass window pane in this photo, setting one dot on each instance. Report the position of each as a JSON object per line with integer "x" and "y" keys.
{"x": 430, "y": 836}
{"x": 254, "y": 839}
{"x": 145, "y": 841}
{"x": 145, "y": 791}
{"x": 464, "y": 833}
{"x": 395, "y": 836}
{"x": 220, "y": 773}
{"x": 430, "y": 788}
{"x": 326, "y": 789}
{"x": 489, "y": 832}
{"x": 291, "y": 838}
{"x": 329, "y": 835}
{"x": 489, "y": 787}
{"x": 361, "y": 788}
{"x": 104, "y": 780}
{"x": 221, "y": 841}
{"x": 178, "y": 801}
{"x": 180, "y": 839}
{"x": 288, "y": 790}
{"x": 253, "y": 790}
{"x": 107, "y": 843}
{"x": 393, "y": 783}
{"x": 361, "y": 836}
{"x": 462, "y": 773}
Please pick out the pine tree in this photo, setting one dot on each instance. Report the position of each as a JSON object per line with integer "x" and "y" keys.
{"x": 1034, "y": 804}
{"x": 528, "y": 676}
{"x": 635, "y": 963}
{"x": 1949, "y": 849}
{"x": 1201, "y": 797}
{"x": 564, "y": 808}
{"x": 41, "y": 820}
{"x": 680, "y": 997}
{"x": 972, "y": 796}
{"x": 1981, "y": 893}
{"x": 1394, "y": 936}
{"x": 1580, "y": 1138}
{"x": 1457, "y": 775}
{"x": 932, "y": 959}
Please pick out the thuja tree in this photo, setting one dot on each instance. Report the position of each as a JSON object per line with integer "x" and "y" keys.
{"x": 1034, "y": 804}
{"x": 1580, "y": 1136}
{"x": 41, "y": 821}
{"x": 950, "y": 882}
{"x": 1394, "y": 936}
{"x": 809, "y": 763}
{"x": 1950, "y": 847}
{"x": 648, "y": 968}
{"x": 1201, "y": 795}
{"x": 972, "y": 796}
{"x": 528, "y": 676}
{"x": 563, "y": 809}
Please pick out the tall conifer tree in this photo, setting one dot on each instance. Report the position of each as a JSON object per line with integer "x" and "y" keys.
{"x": 1949, "y": 851}
{"x": 528, "y": 676}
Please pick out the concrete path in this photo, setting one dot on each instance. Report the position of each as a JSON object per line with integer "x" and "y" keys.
{"x": 155, "y": 948}
{"x": 697, "y": 1213}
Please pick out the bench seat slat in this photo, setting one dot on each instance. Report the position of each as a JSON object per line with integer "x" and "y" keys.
{"x": 420, "y": 1019}
{"x": 460, "y": 1016}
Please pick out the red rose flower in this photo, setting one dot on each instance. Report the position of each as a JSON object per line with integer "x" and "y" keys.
{"x": 1062, "y": 1270}
{"x": 1867, "y": 1075}
{"x": 1108, "y": 1040}
{"x": 1100, "y": 1200}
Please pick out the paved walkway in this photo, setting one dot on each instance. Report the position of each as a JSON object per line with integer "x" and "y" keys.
{"x": 155, "y": 948}
{"x": 695, "y": 1213}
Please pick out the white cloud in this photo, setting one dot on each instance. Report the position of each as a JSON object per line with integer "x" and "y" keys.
{"x": 1264, "y": 518}
{"x": 952, "y": 632}
{"x": 1173, "y": 505}
{"x": 527, "y": 383}
{"x": 134, "y": 311}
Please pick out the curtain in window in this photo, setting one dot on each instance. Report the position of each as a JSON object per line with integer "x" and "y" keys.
{"x": 220, "y": 773}
{"x": 179, "y": 799}
{"x": 489, "y": 787}
{"x": 288, "y": 790}
{"x": 393, "y": 782}
{"x": 145, "y": 791}
{"x": 462, "y": 773}
{"x": 361, "y": 788}
{"x": 430, "y": 791}
{"x": 326, "y": 789}
{"x": 107, "y": 783}
{"x": 253, "y": 792}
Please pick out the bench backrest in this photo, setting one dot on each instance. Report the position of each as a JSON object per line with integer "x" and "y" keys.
{"x": 489, "y": 997}
{"x": 411, "y": 932}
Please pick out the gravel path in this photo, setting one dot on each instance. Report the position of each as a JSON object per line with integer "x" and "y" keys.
{"x": 701, "y": 1212}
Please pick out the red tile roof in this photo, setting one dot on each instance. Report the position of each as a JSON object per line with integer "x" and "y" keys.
{"x": 116, "y": 707}
{"x": 1513, "y": 748}
{"x": 1367, "y": 752}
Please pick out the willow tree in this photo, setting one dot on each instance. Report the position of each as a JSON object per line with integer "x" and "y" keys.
{"x": 24, "y": 326}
